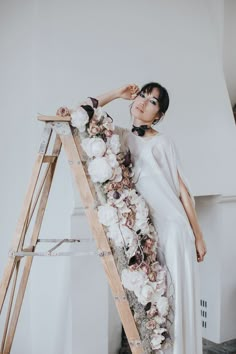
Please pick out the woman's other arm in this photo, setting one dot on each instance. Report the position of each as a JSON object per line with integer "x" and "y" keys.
{"x": 192, "y": 216}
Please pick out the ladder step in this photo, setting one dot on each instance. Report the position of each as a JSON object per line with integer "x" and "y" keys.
{"x": 55, "y": 254}
{"x": 70, "y": 240}
{"x": 54, "y": 118}
{"x": 49, "y": 158}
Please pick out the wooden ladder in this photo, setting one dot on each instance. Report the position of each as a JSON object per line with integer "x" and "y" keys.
{"x": 37, "y": 196}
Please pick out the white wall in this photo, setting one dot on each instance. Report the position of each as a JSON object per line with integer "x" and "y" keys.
{"x": 58, "y": 52}
{"x": 229, "y": 48}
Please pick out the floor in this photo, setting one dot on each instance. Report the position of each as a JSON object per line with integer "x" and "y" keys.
{"x": 228, "y": 347}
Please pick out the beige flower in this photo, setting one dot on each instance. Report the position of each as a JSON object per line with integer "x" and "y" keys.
{"x": 93, "y": 130}
{"x": 152, "y": 276}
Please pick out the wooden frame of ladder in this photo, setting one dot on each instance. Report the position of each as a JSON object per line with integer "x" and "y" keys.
{"x": 66, "y": 138}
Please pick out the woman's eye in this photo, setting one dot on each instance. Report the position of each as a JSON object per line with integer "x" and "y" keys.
{"x": 153, "y": 102}
{"x": 142, "y": 94}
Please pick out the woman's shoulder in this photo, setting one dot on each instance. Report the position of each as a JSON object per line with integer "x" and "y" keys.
{"x": 167, "y": 139}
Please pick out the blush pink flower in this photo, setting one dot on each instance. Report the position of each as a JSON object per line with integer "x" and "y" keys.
{"x": 151, "y": 324}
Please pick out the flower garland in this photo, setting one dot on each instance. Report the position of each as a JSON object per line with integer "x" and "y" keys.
{"x": 125, "y": 216}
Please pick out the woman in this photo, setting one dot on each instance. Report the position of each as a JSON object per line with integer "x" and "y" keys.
{"x": 160, "y": 180}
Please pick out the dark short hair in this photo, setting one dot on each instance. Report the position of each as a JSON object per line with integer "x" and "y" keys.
{"x": 163, "y": 98}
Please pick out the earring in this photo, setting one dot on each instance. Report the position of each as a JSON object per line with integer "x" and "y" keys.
{"x": 155, "y": 121}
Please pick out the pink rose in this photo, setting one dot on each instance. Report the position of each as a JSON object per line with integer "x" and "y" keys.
{"x": 145, "y": 267}
{"x": 63, "y": 112}
{"x": 93, "y": 130}
{"x": 133, "y": 266}
{"x": 151, "y": 324}
{"x": 152, "y": 312}
{"x": 108, "y": 133}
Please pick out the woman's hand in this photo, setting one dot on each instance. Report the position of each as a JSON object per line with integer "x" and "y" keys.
{"x": 200, "y": 249}
{"x": 128, "y": 92}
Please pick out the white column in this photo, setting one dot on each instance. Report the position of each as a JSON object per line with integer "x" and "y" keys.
{"x": 216, "y": 215}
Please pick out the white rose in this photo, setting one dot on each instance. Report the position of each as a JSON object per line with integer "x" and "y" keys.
{"x": 123, "y": 209}
{"x": 117, "y": 174}
{"x": 146, "y": 294}
{"x": 141, "y": 224}
{"x": 79, "y": 119}
{"x": 133, "y": 280}
{"x": 115, "y": 234}
{"x": 128, "y": 235}
{"x": 141, "y": 208}
{"x": 108, "y": 123}
{"x": 134, "y": 198}
{"x": 132, "y": 248}
{"x": 161, "y": 275}
{"x": 159, "y": 320}
{"x": 156, "y": 341}
{"x": 111, "y": 159}
{"x": 99, "y": 113}
{"x": 99, "y": 170}
{"x": 114, "y": 143}
{"x": 161, "y": 304}
{"x": 94, "y": 147}
{"x": 107, "y": 215}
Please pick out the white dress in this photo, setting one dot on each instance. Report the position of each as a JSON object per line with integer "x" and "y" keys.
{"x": 156, "y": 161}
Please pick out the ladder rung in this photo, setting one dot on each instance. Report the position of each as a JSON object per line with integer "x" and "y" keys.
{"x": 70, "y": 240}
{"x": 54, "y": 118}
{"x": 49, "y": 158}
{"x": 54, "y": 254}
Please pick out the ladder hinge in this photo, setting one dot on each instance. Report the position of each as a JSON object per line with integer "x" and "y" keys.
{"x": 135, "y": 343}
{"x": 104, "y": 253}
{"x": 120, "y": 297}
{"x": 71, "y": 162}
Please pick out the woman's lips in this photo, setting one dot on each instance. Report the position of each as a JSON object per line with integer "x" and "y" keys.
{"x": 139, "y": 109}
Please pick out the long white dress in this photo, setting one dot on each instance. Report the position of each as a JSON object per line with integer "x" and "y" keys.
{"x": 156, "y": 162}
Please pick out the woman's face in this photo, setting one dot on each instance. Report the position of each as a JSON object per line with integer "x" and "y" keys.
{"x": 145, "y": 107}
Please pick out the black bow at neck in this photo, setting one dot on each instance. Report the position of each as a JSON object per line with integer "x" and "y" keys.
{"x": 141, "y": 129}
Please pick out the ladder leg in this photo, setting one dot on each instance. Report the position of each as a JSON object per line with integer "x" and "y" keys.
{"x": 87, "y": 197}
{"x": 23, "y": 216}
{"x": 29, "y": 260}
{"x": 10, "y": 306}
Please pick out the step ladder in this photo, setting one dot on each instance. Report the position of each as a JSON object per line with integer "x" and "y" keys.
{"x": 66, "y": 137}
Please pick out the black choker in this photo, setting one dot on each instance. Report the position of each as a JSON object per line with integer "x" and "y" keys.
{"x": 141, "y": 129}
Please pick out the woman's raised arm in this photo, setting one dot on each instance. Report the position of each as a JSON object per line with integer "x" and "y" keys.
{"x": 127, "y": 92}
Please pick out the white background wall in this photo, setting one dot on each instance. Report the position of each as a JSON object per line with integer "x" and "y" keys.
{"x": 229, "y": 52}
{"x": 56, "y": 53}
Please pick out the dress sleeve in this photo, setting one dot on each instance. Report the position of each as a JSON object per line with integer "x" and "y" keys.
{"x": 179, "y": 168}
